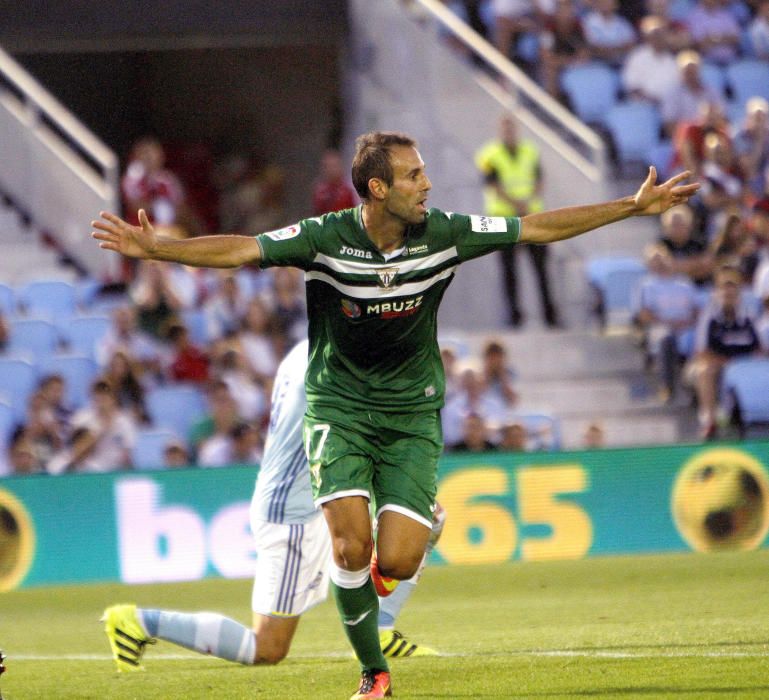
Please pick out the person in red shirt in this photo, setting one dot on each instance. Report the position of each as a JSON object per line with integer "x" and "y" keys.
{"x": 331, "y": 191}
{"x": 189, "y": 364}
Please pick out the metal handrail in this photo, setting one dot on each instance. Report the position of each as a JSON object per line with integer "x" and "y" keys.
{"x": 41, "y": 101}
{"x": 595, "y": 166}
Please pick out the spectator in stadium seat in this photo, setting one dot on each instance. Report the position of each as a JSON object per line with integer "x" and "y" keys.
{"x": 497, "y": 373}
{"x": 594, "y": 437}
{"x": 124, "y": 336}
{"x": 512, "y": 18}
{"x": 124, "y": 377}
{"x": 758, "y": 31}
{"x": 474, "y": 398}
{"x": 609, "y": 35}
{"x": 52, "y": 388}
{"x": 5, "y": 332}
{"x": 665, "y": 307}
{"x": 222, "y": 415}
{"x": 225, "y": 308}
{"x": 22, "y": 457}
{"x": 723, "y": 183}
{"x": 759, "y": 225}
{"x": 689, "y": 136}
{"x": 158, "y": 298}
{"x": 286, "y": 301}
{"x": 257, "y": 341}
{"x": 239, "y": 445}
{"x": 42, "y": 432}
{"x": 513, "y": 177}
{"x": 685, "y": 102}
{"x": 725, "y": 330}
{"x": 650, "y": 71}
{"x": 233, "y": 369}
{"x": 147, "y": 184}
{"x": 562, "y": 44}
{"x": 331, "y": 191}
{"x": 690, "y": 254}
{"x": 677, "y": 33}
{"x": 751, "y": 145}
{"x": 714, "y": 31}
{"x": 187, "y": 362}
{"x": 734, "y": 245}
{"x": 175, "y": 455}
{"x": 475, "y": 436}
{"x": 513, "y": 437}
{"x": 102, "y": 436}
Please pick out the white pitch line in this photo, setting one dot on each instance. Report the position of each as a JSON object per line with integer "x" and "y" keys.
{"x": 555, "y": 653}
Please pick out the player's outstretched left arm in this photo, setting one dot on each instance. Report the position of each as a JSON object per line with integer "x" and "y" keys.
{"x": 651, "y": 198}
{"x": 143, "y": 242}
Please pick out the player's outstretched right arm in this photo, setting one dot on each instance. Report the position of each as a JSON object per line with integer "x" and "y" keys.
{"x": 143, "y": 242}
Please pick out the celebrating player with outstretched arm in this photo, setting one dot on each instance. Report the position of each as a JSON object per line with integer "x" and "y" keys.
{"x": 375, "y": 276}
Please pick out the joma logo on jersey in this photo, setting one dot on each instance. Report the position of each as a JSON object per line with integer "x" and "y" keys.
{"x": 394, "y": 309}
{"x": 355, "y": 252}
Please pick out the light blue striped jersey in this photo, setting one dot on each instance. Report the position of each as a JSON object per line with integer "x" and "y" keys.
{"x": 283, "y": 493}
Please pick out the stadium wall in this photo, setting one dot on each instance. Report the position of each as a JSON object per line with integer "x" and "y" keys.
{"x": 187, "y": 524}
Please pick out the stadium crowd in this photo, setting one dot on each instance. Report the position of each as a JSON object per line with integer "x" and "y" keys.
{"x": 217, "y": 334}
{"x": 703, "y": 301}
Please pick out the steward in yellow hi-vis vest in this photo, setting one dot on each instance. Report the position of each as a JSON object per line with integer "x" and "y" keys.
{"x": 512, "y": 174}
{"x": 512, "y": 177}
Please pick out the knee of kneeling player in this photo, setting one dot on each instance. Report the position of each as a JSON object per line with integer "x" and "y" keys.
{"x": 270, "y": 653}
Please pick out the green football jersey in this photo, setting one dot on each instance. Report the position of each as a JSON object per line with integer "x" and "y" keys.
{"x": 373, "y": 317}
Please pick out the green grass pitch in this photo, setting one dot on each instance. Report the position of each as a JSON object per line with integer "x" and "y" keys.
{"x": 690, "y": 626}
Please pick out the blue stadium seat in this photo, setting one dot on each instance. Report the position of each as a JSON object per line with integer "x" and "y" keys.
{"x": 33, "y": 336}
{"x": 592, "y": 90}
{"x": 7, "y": 300}
{"x": 618, "y": 293}
{"x": 613, "y": 279}
{"x": 48, "y": 298}
{"x": 745, "y": 389}
{"x": 748, "y": 78}
{"x": 197, "y": 325}
{"x": 635, "y": 130}
{"x": 82, "y": 333}
{"x": 661, "y": 157}
{"x": 18, "y": 379}
{"x": 78, "y": 372}
{"x": 7, "y": 421}
{"x": 714, "y": 77}
{"x": 149, "y": 448}
{"x": 176, "y": 407}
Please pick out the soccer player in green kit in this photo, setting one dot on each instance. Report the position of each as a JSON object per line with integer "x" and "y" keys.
{"x": 375, "y": 276}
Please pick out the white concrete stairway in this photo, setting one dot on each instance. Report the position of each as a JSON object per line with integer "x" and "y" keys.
{"x": 582, "y": 377}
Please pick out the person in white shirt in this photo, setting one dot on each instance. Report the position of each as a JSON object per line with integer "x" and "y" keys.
{"x": 650, "y": 71}
{"x": 102, "y": 436}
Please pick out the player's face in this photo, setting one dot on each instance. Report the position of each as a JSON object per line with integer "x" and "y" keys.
{"x": 407, "y": 197}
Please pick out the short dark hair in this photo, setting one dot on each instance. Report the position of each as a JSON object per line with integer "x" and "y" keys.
{"x": 372, "y": 158}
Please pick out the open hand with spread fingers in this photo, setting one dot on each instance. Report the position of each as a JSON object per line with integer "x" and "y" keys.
{"x": 122, "y": 237}
{"x": 652, "y": 198}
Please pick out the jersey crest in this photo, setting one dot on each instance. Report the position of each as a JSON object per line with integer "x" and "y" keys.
{"x": 387, "y": 277}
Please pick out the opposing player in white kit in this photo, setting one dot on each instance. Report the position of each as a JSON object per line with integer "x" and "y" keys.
{"x": 293, "y": 556}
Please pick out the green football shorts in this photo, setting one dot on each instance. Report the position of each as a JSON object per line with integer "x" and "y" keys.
{"x": 390, "y": 458}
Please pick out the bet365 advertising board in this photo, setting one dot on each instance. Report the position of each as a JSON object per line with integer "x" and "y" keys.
{"x": 181, "y": 525}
